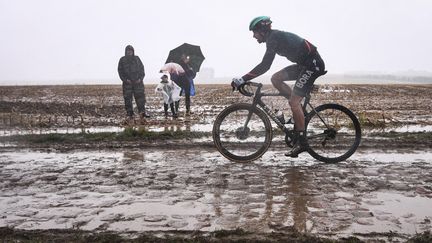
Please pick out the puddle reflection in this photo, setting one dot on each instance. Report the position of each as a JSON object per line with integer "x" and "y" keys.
{"x": 254, "y": 196}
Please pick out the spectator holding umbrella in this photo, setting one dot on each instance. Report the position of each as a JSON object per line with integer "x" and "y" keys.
{"x": 187, "y": 82}
{"x": 178, "y": 75}
{"x": 190, "y": 58}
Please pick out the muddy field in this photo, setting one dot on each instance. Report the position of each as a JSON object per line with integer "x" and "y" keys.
{"x": 174, "y": 182}
{"x": 33, "y": 107}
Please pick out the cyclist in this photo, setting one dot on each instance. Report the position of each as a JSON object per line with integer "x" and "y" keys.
{"x": 307, "y": 68}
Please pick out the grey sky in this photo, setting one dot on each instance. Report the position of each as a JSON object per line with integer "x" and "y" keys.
{"x": 55, "y": 40}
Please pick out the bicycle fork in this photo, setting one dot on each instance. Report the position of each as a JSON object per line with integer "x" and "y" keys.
{"x": 249, "y": 116}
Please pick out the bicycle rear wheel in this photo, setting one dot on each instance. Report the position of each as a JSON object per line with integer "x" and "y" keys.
{"x": 333, "y": 133}
{"x": 238, "y": 142}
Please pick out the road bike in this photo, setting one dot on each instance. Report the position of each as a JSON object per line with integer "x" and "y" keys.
{"x": 242, "y": 132}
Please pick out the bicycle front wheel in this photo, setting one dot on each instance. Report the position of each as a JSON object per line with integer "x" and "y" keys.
{"x": 240, "y": 139}
{"x": 333, "y": 133}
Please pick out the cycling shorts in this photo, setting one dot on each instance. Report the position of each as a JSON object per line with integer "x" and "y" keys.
{"x": 306, "y": 74}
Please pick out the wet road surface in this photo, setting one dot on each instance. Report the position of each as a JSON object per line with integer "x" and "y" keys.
{"x": 198, "y": 189}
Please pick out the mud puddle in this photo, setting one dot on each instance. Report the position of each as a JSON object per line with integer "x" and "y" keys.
{"x": 197, "y": 189}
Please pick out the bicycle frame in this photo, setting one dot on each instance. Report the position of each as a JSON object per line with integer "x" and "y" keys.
{"x": 323, "y": 123}
{"x": 257, "y": 101}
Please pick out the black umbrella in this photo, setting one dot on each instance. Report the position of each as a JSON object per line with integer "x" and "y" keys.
{"x": 194, "y": 52}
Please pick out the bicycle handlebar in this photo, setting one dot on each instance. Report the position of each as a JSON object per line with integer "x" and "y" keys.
{"x": 243, "y": 88}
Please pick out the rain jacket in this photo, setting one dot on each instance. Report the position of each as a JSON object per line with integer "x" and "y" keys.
{"x": 130, "y": 67}
{"x": 170, "y": 92}
{"x": 181, "y": 73}
{"x": 190, "y": 74}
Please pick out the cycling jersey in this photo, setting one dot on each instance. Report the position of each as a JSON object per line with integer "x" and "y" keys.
{"x": 289, "y": 45}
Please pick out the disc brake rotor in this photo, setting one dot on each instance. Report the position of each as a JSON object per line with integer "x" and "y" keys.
{"x": 242, "y": 133}
{"x": 330, "y": 133}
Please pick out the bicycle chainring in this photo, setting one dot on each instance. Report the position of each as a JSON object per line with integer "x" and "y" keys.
{"x": 289, "y": 139}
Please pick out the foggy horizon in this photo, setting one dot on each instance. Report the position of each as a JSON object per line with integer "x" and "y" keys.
{"x": 61, "y": 41}
{"x": 330, "y": 78}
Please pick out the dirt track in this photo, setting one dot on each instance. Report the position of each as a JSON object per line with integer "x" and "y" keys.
{"x": 127, "y": 187}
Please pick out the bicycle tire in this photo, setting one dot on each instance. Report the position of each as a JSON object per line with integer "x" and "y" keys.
{"x": 223, "y": 120}
{"x": 343, "y": 135}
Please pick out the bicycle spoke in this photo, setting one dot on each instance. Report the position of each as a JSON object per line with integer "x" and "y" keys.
{"x": 237, "y": 141}
{"x": 333, "y": 133}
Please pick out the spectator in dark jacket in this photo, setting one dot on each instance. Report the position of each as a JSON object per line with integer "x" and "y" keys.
{"x": 131, "y": 72}
{"x": 187, "y": 81}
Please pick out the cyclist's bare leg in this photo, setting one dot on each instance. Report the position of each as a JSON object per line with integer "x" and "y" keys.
{"x": 297, "y": 111}
{"x": 278, "y": 82}
{"x": 299, "y": 121}
{"x": 295, "y": 103}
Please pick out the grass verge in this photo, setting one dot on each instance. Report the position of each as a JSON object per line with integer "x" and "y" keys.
{"x": 128, "y": 134}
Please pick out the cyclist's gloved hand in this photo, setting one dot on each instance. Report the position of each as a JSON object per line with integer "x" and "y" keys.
{"x": 236, "y": 82}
